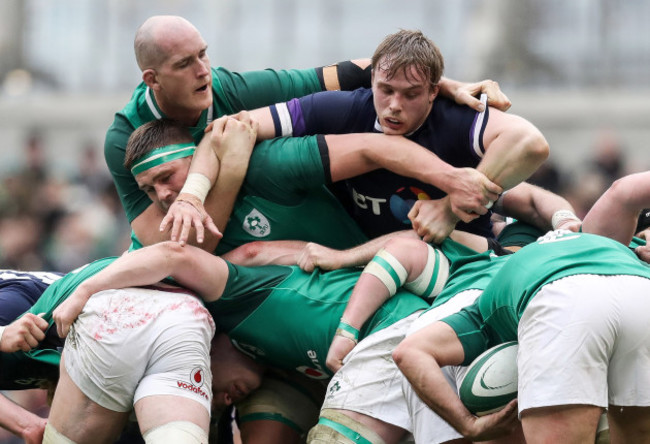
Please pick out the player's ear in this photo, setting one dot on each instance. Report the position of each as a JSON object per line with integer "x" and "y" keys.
{"x": 435, "y": 89}
{"x": 149, "y": 78}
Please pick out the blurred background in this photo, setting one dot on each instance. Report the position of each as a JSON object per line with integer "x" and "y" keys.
{"x": 579, "y": 70}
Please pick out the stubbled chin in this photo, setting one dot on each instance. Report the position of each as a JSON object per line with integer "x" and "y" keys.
{"x": 392, "y": 132}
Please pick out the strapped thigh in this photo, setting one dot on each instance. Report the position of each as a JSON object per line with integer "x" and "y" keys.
{"x": 336, "y": 428}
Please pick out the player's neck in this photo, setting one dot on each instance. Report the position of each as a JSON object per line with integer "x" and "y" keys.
{"x": 188, "y": 117}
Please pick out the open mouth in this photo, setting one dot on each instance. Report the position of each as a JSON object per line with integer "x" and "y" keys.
{"x": 201, "y": 89}
{"x": 392, "y": 123}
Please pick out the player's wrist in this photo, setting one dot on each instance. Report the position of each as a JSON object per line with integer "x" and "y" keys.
{"x": 446, "y": 178}
{"x": 197, "y": 185}
{"x": 561, "y": 217}
{"x": 346, "y": 330}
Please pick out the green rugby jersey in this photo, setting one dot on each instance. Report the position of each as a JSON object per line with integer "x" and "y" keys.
{"x": 232, "y": 92}
{"x": 286, "y": 318}
{"x": 54, "y": 295}
{"x": 284, "y": 196}
{"x": 468, "y": 270}
{"x": 494, "y": 317}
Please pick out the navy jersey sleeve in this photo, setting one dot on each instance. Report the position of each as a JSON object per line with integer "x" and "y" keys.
{"x": 454, "y": 132}
{"x": 20, "y": 290}
{"x": 329, "y": 112}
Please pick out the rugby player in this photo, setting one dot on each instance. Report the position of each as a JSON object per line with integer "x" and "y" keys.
{"x": 404, "y": 100}
{"x": 280, "y": 315}
{"x": 168, "y": 384}
{"x": 19, "y": 290}
{"x": 178, "y": 83}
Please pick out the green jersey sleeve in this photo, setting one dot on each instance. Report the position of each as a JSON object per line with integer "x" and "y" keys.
{"x": 254, "y": 89}
{"x": 469, "y": 327}
{"x": 286, "y": 169}
{"x": 232, "y": 92}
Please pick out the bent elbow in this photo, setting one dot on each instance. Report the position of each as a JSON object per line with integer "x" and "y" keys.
{"x": 537, "y": 148}
{"x": 173, "y": 252}
{"x": 400, "y": 354}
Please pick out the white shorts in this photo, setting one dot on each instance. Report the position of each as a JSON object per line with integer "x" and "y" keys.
{"x": 369, "y": 381}
{"x": 585, "y": 339}
{"x": 137, "y": 342}
{"x": 427, "y": 425}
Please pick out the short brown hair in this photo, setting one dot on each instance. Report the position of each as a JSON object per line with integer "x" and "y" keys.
{"x": 152, "y": 135}
{"x": 404, "y": 49}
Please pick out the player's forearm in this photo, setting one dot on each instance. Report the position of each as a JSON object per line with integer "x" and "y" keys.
{"x": 266, "y": 126}
{"x": 625, "y": 198}
{"x": 407, "y": 158}
{"x": 427, "y": 380}
{"x": 221, "y": 199}
{"x": 534, "y": 205}
{"x": 205, "y": 161}
{"x": 368, "y": 295}
{"x": 190, "y": 266}
{"x": 362, "y": 254}
{"x": 18, "y": 420}
{"x": 399, "y": 155}
{"x": 253, "y": 254}
{"x": 145, "y": 266}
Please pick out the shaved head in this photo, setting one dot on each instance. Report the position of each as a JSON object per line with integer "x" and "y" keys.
{"x": 156, "y": 36}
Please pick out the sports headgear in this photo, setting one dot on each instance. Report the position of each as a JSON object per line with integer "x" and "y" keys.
{"x": 162, "y": 155}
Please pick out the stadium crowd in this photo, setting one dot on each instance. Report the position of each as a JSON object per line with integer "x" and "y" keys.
{"x": 358, "y": 199}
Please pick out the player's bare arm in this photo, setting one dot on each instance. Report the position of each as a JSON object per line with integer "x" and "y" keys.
{"x": 461, "y": 92}
{"x": 420, "y": 358}
{"x": 514, "y": 149}
{"x": 190, "y": 266}
{"x": 625, "y": 198}
{"x": 354, "y": 154}
{"x": 276, "y": 252}
{"x": 188, "y": 210}
{"x": 539, "y": 207}
{"x": 225, "y": 151}
{"x": 21, "y": 422}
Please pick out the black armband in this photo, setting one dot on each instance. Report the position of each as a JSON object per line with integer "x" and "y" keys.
{"x": 495, "y": 246}
{"x": 345, "y": 76}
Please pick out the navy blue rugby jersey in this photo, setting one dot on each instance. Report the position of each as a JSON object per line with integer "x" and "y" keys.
{"x": 380, "y": 200}
{"x": 19, "y": 290}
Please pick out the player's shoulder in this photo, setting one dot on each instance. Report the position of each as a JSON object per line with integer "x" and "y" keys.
{"x": 444, "y": 107}
{"x": 360, "y": 95}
